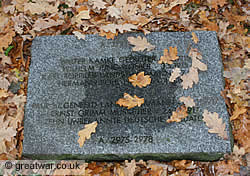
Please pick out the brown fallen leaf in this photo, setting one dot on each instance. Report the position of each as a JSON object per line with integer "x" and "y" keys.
{"x": 129, "y": 170}
{"x": 140, "y": 80}
{"x": 237, "y": 111}
{"x": 4, "y": 83}
{"x": 6, "y": 39}
{"x": 195, "y": 38}
{"x": 140, "y": 43}
{"x": 85, "y": 133}
{"x": 129, "y": 101}
{"x": 175, "y": 74}
{"x": 114, "y": 12}
{"x": 98, "y": 4}
{"x": 215, "y": 3}
{"x": 188, "y": 101}
{"x": 169, "y": 56}
{"x": 79, "y": 35}
{"x": 3, "y": 93}
{"x": 215, "y": 124}
{"x": 121, "y": 27}
{"x": 180, "y": 113}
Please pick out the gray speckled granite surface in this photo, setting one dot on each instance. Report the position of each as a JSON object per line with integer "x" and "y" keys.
{"x": 74, "y": 82}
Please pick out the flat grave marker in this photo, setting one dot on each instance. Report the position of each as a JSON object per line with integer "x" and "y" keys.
{"x": 76, "y": 82}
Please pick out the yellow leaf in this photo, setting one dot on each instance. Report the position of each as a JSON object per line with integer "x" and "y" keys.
{"x": 140, "y": 80}
{"x": 180, "y": 113}
{"x": 195, "y": 38}
{"x": 140, "y": 44}
{"x": 169, "y": 56}
{"x": 85, "y": 133}
{"x": 188, "y": 101}
{"x": 129, "y": 101}
{"x": 215, "y": 124}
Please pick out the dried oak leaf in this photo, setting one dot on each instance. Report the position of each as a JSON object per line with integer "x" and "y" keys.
{"x": 172, "y": 5}
{"x": 180, "y": 113}
{"x": 227, "y": 167}
{"x": 109, "y": 35}
{"x": 129, "y": 101}
{"x": 6, "y": 39}
{"x": 236, "y": 74}
{"x": 3, "y": 93}
{"x": 215, "y": 124}
{"x": 85, "y": 133}
{"x": 196, "y": 57}
{"x": 140, "y": 43}
{"x": 195, "y": 38}
{"x": 237, "y": 111}
{"x": 190, "y": 78}
{"x": 215, "y": 3}
{"x": 188, "y": 101}
{"x": 4, "y": 83}
{"x": 120, "y": 27}
{"x": 79, "y": 35}
{"x": 42, "y": 24}
{"x": 40, "y": 7}
{"x": 169, "y": 56}
{"x": 175, "y": 74}
{"x": 140, "y": 80}
{"x": 98, "y": 4}
{"x": 129, "y": 170}
{"x": 114, "y": 12}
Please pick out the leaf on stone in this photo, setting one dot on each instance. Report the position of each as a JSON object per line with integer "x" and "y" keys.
{"x": 175, "y": 74}
{"x": 85, "y": 133}
{"x": 114, "y": 12}
{"x": 140, "y": 43}
{"x": 195, "y": 38}
{"x": 215, "y": 124}
{"x": 98, "y": 4}
{"x": 196, "y": 57}
{"x": 190, "y": 78}
{"x": 79, "y": 35}
{"x": 169, "y": 56}
{"x": 129, "y": 101}
{"x": 237, "y": 112}
{"x": 188, "y": 101}
{"x": 140, "y": 80}
{"x": 178, "y": 115}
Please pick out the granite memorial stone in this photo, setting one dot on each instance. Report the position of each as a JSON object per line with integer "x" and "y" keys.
{"x": 76, "y": 82}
